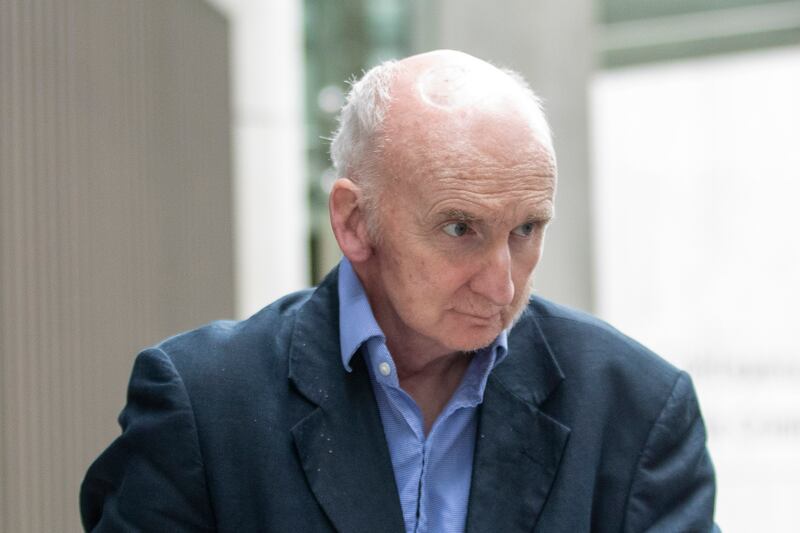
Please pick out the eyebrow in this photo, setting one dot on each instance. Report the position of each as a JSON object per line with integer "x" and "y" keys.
{"x": 458, "y": 214}
{"x": 466, "y": 216}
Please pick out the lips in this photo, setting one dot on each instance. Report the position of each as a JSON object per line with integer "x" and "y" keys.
{"x": 480, "y": 317}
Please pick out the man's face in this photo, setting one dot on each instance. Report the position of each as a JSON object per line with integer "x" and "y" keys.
{"x": 462, "y": 229}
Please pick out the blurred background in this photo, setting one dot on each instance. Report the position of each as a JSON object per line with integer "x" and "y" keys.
{"x": 164, "y": 163}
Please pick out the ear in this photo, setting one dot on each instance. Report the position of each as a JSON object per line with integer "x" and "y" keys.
{"x": 348, "y": 220}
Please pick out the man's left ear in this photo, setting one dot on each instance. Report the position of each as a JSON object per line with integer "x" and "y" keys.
{"x": 348, "y": 220}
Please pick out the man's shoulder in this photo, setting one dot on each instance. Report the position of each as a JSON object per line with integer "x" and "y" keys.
{"x": 234, "y": 343}
{"x": 602, "y": 383}
{"x": 588, "y": 349}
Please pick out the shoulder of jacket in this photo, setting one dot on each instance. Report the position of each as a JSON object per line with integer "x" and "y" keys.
{"x": 264, "y": 332}
{"x": 582, "y": 341}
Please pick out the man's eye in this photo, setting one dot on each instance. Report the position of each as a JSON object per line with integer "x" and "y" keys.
{"x": 456, "y": 229}
{"x": 524, "y": 230}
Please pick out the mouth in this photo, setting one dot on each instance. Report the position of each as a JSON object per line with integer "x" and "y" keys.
{"x": 482, "y": 318}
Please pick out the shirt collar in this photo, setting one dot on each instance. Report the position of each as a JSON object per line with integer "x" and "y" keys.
{"x": 357, "y": 324}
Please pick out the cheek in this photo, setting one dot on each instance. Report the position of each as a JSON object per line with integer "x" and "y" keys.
{"x": 523, "y": 273}
{"x": 453, "y": 275}
{"x": 433, "y": 285}
{"x": 411, "y": 282}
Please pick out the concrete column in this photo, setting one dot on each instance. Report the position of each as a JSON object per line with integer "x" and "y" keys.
{"x": 270, "y": 201}
{"x": 115, "y": 222}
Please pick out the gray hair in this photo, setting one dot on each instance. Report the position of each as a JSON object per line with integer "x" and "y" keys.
{"x": 356, "y": 144}
{"x": 361, "y": 118}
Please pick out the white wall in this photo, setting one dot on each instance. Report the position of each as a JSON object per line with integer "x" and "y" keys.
{"x": 697, "y": 173}
{"x": 270, "y": 207}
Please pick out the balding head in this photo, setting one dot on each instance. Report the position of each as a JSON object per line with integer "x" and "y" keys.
{"x": 400, "y": 111}
{"x": 447, "y": 180}
{"x": 451, "y": 88}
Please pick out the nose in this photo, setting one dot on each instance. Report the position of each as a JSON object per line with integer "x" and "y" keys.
{"x": 493, "y": 281}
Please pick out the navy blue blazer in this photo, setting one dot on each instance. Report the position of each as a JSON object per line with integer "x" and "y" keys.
{"x": 256, "y": 426}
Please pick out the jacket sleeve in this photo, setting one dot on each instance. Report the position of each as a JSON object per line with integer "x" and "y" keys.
{"x": 151, "y": 478}
{"x": 674, "y": 485}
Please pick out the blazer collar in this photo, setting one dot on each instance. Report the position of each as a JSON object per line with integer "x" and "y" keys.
{"x": 340, "y": 442}
{"x": 532, "y": 372}
{"x": 519, "y": 447}
{"x": 517, "y": 453}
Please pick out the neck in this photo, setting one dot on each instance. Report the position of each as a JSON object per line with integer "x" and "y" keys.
{"x": 427, "y": 370}
{"x": 430, "y": 381}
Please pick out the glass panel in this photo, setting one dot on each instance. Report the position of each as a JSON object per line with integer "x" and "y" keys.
{"x": 610, "y": 11}
{"x": 343, "y": 39}
{"x": 636, "y": 31}
{"x": 696, "y": 219}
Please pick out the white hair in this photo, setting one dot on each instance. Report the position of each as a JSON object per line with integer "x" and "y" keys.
{"x": 356, "y": 144}
{"x": 361, "y": 119}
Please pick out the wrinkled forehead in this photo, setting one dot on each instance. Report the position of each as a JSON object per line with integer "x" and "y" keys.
{"x": 450, "y": 127}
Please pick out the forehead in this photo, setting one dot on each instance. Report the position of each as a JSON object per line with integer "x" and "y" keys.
{"x": 489, "y": 161}
{"x": 439, "y": 182}
{"x": 486, "y": 192}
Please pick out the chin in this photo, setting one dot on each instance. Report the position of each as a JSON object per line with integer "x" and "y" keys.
{"x": 471, "y": 341}
{"x": 468, "y": 334}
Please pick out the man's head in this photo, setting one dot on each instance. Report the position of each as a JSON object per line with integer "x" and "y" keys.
{"x": 446, "y": 182}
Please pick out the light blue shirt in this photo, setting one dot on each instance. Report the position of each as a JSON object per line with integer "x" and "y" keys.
{"x": 432, "y": 473}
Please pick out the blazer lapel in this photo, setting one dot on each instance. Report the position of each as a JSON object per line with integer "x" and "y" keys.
{"x": 518, "y": 448}
{"x": 340, "y": 443}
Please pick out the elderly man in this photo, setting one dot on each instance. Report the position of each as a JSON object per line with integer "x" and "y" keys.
{"x": 419, "y": 387}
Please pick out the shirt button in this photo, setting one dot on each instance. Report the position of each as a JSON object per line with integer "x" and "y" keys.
{"x": 384, "y": 368}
